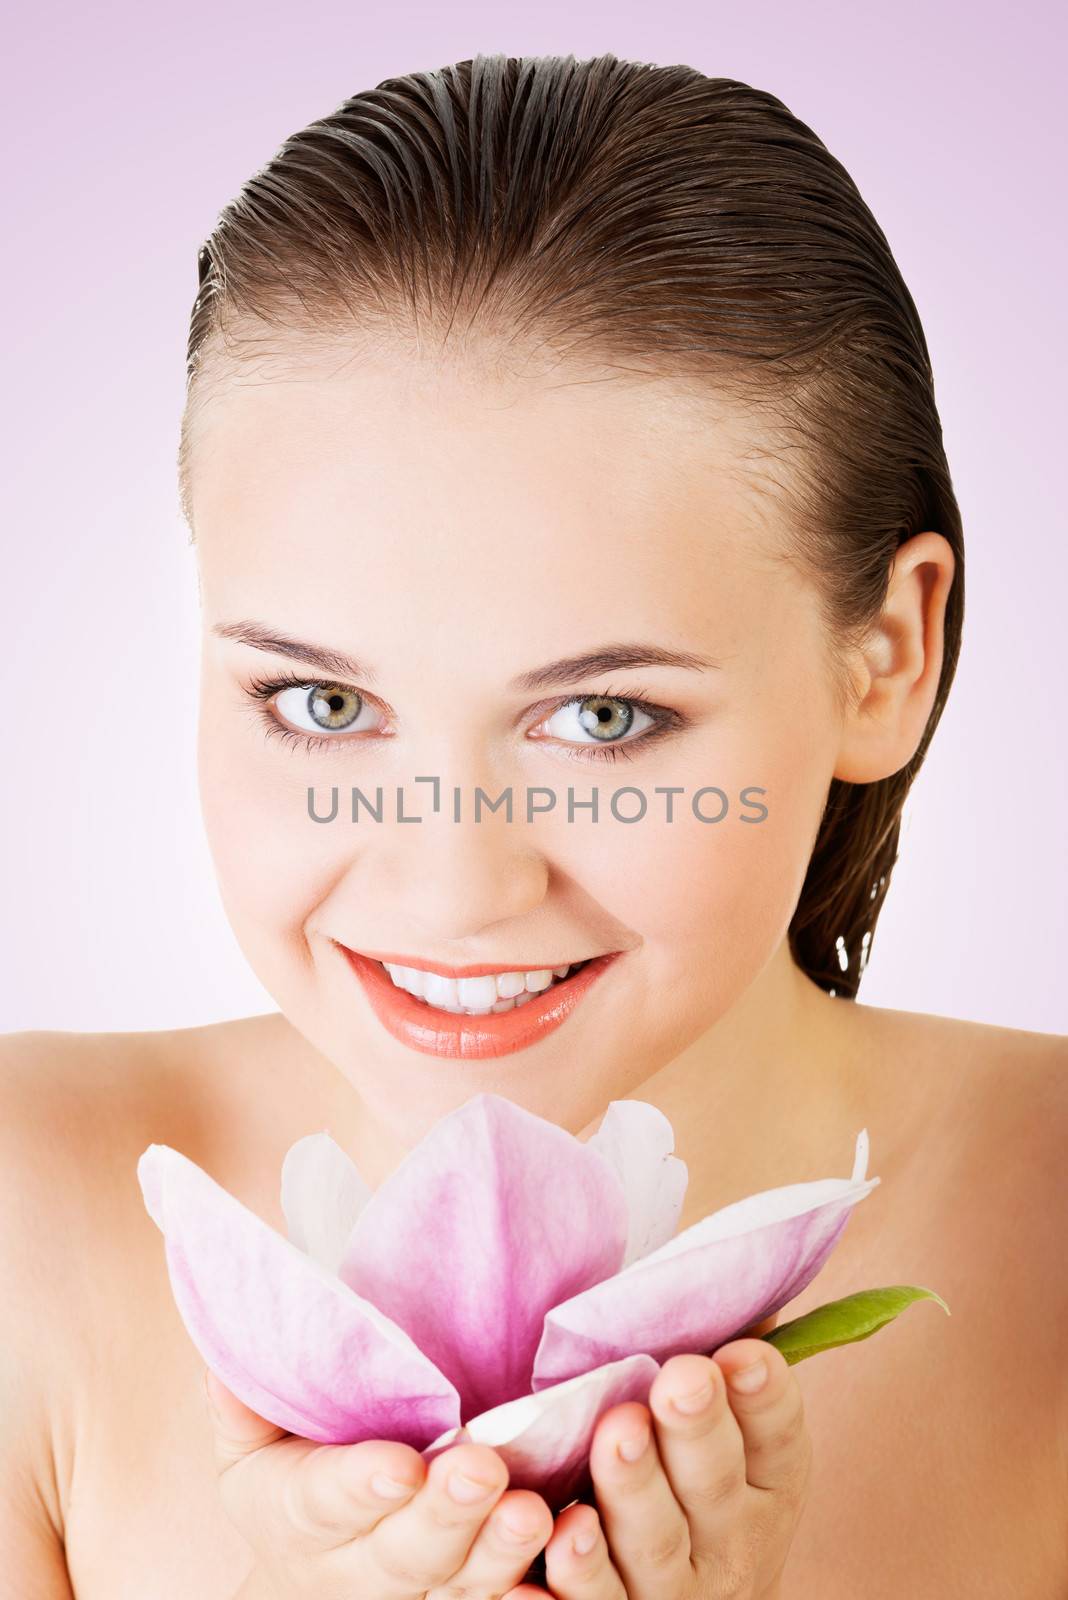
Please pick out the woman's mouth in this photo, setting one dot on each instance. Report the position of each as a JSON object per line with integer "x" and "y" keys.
{"x": 492, "y": 994}
{"x": 491, "y": 1014}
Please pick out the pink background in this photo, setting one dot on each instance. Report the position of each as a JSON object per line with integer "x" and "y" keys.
{"x": 128, "y": 127}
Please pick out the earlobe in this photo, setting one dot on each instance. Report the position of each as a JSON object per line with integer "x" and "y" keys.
{"x": 899, "y": 665}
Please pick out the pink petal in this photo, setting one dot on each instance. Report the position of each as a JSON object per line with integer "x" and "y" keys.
{"x": 544, "y": 1438}
{"x": 709, "y": 1282}
{"x": 637, "y": 1138}
{"x": 493, "y": 1217}
{"x": 284, "y": 1334}
{"x": 322, "y": 1195}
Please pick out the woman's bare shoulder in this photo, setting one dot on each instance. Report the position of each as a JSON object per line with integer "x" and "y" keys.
{"x": 979, "y": 1118}
{"x": 980, "y": 1187}
{"x": 77, "y": 1247}
{"x": 77, "y": 1110}
{"x": 1002, "y": 1091}
{"x": 955, "y": 1037}
{"x": 993, "y": 1075}
{"x": 41, "y": 1061}
{"x": 68, "y": 1096}
{"x": 998, "y": 1134}
{"x": 72, "y": 1106}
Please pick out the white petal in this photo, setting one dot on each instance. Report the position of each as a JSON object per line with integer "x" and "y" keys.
{"x": 322, "y": 1195}
{"x": 637, "y": 1139}
{"x": 773, "y": 1206}
{"x": 702, "y": 1287}
{"x": 860, "y": 1159}
{"x": 544, "y": 1438}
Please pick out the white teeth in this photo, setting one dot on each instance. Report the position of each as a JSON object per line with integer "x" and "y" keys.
{"x": 441, "y": 992}
{"x": 476, "y": 997}
{"x": 477, "y": 994}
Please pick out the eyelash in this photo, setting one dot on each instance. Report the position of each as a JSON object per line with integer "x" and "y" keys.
{"x": 666, "y": 720}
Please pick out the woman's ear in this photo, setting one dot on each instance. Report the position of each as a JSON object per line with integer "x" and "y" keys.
{"x": 895, "y": 671}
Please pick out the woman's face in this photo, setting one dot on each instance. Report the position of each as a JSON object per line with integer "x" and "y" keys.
{"x": 452, "y": 533}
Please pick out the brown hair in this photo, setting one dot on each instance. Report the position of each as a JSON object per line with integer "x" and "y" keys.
{"x": 614, "y": 209}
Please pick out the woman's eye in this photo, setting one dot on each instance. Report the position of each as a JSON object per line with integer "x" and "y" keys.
{"x": 320, "y": 708}
{"x": 598, "y": 719}
{"x": 600, "y": 725}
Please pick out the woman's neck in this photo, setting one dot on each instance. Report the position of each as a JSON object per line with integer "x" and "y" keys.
{"x": 772, "y": 1094}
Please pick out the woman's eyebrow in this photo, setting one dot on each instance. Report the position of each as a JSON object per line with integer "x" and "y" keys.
{"x": 555, "y": 674}
{"x": 260, "y": 637}
{"x": 608, "y": 658}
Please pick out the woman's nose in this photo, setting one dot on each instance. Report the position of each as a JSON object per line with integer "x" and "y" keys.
{"x": 456, "y": 879}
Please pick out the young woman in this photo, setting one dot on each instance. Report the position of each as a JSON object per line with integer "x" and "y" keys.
{"x": 544, "y": 414}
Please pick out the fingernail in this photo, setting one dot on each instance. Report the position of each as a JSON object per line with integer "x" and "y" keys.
{"x": 631, "y": 1449}
{"x": 390, "y": 1488}
{"x": 747, "y": 1380}
{"x": 584, "y": 1542}
{"x": 696, "y": 1400}
{"x": 467, "y": 1490}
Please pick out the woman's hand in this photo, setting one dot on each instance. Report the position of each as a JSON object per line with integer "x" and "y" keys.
{"x": 322, "y": 1520}
{"x": 708, "y": 1510}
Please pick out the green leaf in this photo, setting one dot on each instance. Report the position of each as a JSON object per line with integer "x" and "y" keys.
{"x": 858, "y": 1316}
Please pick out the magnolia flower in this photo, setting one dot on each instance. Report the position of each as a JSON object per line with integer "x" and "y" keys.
{"x": 507, "y": 1283}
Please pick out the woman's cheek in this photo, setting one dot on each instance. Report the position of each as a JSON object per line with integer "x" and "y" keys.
{"x": 714, "y": 899}
{"x": 274, "y": 864}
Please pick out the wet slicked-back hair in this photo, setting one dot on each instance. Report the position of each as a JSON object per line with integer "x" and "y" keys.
{"x": 653, "y": 219}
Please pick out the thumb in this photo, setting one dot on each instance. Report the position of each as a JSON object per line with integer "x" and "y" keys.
{"x": 238, "y": 1431}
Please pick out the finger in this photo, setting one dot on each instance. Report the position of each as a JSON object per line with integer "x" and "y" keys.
{"x": 648, "y": 1536}
{"x": 237, "y": 1431}
{"x": 253, "y": 1459}
{"x": 327, "y": 1494}
{"x": 337, "y": 1493}
{"x": 425, "y": 1542}
{"x": 701, "y": 1448}
{"x": 578, "y": 1563}
{"x": 765, "y": 1398}
{"x": 519, "y": 1526}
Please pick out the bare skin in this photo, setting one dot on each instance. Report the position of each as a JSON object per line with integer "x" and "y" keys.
{"x": 933, "y": 1426}
{"x": 452, "y": 536}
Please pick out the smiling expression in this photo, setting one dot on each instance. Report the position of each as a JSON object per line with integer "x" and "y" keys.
{"x": 446, "y": 535}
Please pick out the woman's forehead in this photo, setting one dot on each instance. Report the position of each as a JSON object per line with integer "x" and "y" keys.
{"x": 388, "y": 453}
